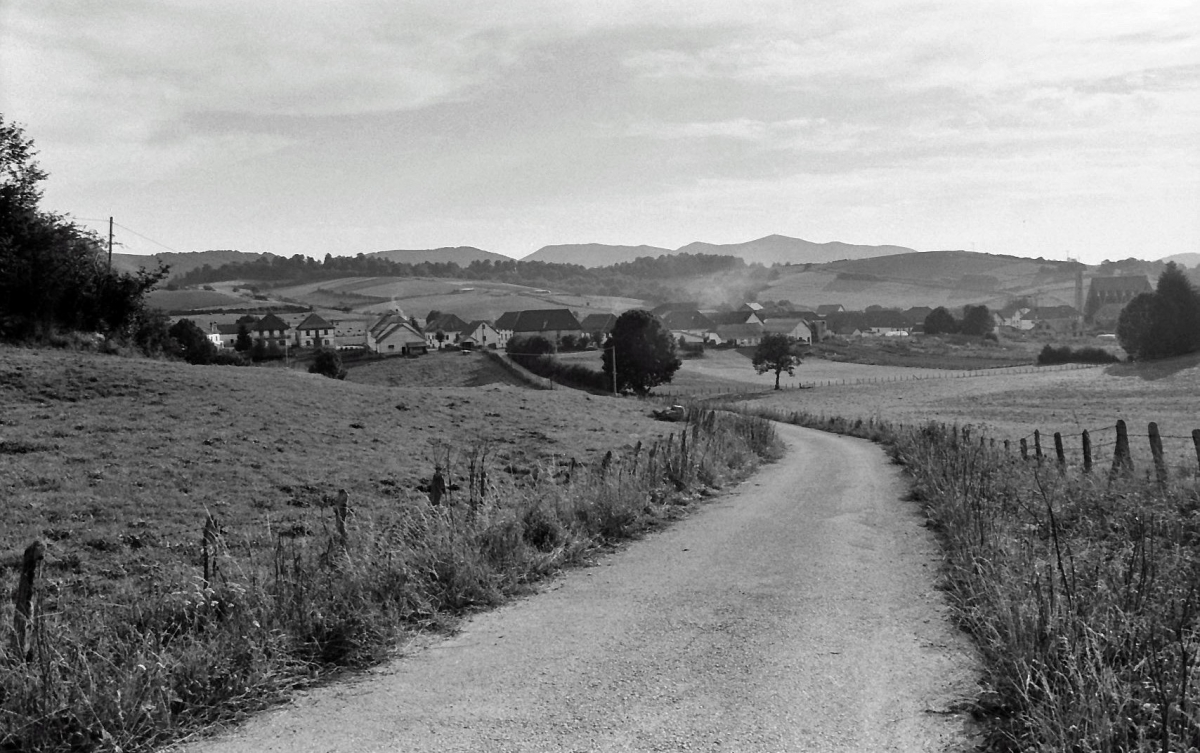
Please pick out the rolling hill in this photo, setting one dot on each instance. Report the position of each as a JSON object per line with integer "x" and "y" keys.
{"x": 594, "y": 254}
{"x": 180, "y": 263}
{"x": 773, "y": 249}
{"x": 460, "y": 255}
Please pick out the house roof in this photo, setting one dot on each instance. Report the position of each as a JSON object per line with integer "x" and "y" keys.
{"x": 1134, "y": 283}
{"x": 228, "y": 329}
{"x": 598, "y": 322}
{"x": 446, "y": 323}
{"x": 394, "y": 325}
{"x": 685, "y": 319}
{"x": 739, "y": 331}
{"x": 546, "y": 320}
{"x": 507, "y": 320}
{"x": 781, "y": 326}
{"x": 475, "y": 325}
{"x": 313, "y": 321}
{"x": 752, "y": 306}
{"x": 725, "y": 318}
{"x": 269, "y": 323}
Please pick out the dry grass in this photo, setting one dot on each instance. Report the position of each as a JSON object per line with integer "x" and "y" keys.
{"x": 115, "y": 463}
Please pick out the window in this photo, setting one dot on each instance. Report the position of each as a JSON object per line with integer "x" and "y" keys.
{"x": 391, "y": 347}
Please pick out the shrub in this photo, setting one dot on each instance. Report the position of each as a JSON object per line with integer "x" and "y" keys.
{"x": 1051, "y": 355}
{"x": 328, "y": 363}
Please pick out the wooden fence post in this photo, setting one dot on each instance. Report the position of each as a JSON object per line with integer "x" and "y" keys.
{"x": 208, "y": 548}
{"x": 1058, "y": 450}
{"x": 1087, "y": 452}
{"x": 341, "y": 511}
{"x": 1024, "y": 449}
{"x": 1006, "y": 447}
{"x": 23, "y": 614}
{"x": 1122, "y": 462}
{"x": 1156, "y": 450}
{"x": 1037, "y": 445}
{"x": 1196, "y": 443}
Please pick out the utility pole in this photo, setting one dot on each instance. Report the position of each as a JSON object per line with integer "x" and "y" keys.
{"x": 110, "y": 228}
{"x": 614, "y": 362}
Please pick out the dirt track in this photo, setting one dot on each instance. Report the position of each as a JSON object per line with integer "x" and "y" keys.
{"x": 796, "y": 614}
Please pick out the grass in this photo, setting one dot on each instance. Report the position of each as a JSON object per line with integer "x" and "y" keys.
{"x": 116, "y": 463}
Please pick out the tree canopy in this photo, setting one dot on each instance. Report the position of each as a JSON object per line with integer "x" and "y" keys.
{"x": 977, "y": 321}
{"x": 776, "y": 353}
{"x": 642, "y": 352}
{"x": 53, "y": 273}
{"x": 1163, "y": 323}
{"x": 940, "y": 322}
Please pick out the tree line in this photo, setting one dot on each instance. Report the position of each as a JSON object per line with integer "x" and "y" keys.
{"x": 647, "y": 278}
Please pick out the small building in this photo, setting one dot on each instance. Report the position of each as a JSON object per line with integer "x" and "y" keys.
{"x": 793, "y": 328}
{"x": 271, "y": 330}
{"x": 392, "y": 334}
{"x": 481, "y": 334}
{"x": 225, "y": 336}
{"x": 552, "y": 324}
{"x": 446, "y": 330}
{"x": 504, "y": 325}
{"x": 740, "y": 335}
{"x": 314, "y": 332}
{"x": 1057, "y": 319}
{"x": 685, "y": 320}
{"x": 597, "y": 326}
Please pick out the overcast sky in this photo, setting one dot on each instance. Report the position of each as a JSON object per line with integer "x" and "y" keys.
{"x": 1035, "y": 128}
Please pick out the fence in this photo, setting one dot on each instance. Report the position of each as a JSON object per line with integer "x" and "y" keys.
{"x": 1105, "y": 449}
{"x": 748, "y": 389}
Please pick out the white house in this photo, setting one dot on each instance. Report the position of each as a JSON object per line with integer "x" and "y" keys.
{"x": 392, "y": 334}
{"x": 793, "y": 328}
{"x": 480, "y": 334}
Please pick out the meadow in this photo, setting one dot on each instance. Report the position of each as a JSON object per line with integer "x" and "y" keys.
{"x": 153, "y": 623}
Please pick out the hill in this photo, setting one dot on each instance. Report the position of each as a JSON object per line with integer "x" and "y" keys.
{"x": 594, "y": 254}
{"x": 460, "y": 255}
{"x": 1183, "y": 260}
{"x": 181, "y": 263}
{"x": 780, "y": 249}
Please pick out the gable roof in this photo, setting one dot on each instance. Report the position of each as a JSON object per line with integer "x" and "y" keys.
{"x": 598, "y": 323}
{"x": 312, "y": 321}
{"x": 1051, "y": 312}
{"x": 545, "y": 320}
{"x": 739, "y": 331}
{"x": 475, "y": 325}
{"x": 724, "y": 318}
{"x": 446, "y": 323}
{"x": 507, "y": 320}
{"x": 685, "y": 319}
{"x": 782, "y": 326}
{"x": 395, "y": 325}
{"x": 269, "y": 323}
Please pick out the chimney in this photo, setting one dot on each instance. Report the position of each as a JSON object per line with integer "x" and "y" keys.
{"x": 1079, "y": 299}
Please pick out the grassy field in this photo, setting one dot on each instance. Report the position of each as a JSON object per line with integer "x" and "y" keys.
{"x": 115, "y": 464}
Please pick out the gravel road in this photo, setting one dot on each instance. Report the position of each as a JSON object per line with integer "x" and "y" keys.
{"x": 797, "y": 613}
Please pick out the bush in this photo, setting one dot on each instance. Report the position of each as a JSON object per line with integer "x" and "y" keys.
{"x": 328, "y": 363}
{"x": 1051, "y": 355}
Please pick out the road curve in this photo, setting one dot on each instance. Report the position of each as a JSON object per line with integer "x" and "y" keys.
{"x": 797, "y": 613}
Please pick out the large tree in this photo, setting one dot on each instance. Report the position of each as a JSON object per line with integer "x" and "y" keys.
{"x": 940, "y": 321}
{"x": 1163, "y": 323}
{"x": 641, "y": 352}
{"x": 977, "y": 320}
{"x": 53, "y": 273}
{"x": 776, "y": 353}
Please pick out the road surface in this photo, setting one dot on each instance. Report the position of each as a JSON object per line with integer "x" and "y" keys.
{"x": 797, "y": 613}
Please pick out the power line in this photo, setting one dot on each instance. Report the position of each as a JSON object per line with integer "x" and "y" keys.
{"x": 143, "y": 237}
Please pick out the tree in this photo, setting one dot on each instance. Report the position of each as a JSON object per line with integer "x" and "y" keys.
{"x": 243, "y": 342}
{"x": 1163, "y": 323}
{"x": 940, "y": 321}
{"x": 641, "y": 351}
{"x": 328, "y": 363}
{"x": 53, "y": 273}
{"x": 192, "y": 343}
{"x": 977, "y": 321}
{"x": 776, "y": 353}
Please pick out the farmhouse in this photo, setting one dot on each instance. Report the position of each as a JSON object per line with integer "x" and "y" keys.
{"x": 794, "y": 328}
{"x": 597, "y": 326}
{"x": 393, "y": 334}
{"x": 224, "y": 335}
{"x": 270, "y": 330}
{"x": 446, "y": 330}
{"x": 480, "y": 334}
{"x": 552, "y": 324}
{"x": 740, "y": 335}
{"x": 314, "y": 332}
{"x": 1060, "y": 319}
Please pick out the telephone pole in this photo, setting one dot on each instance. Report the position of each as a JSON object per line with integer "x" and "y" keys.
{"x": 110, "y": 228}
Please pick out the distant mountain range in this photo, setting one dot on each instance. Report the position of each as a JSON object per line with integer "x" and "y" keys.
{"x": 773, "y": 249}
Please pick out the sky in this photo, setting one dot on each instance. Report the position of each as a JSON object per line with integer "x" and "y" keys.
{"x": 1041, "y": 128}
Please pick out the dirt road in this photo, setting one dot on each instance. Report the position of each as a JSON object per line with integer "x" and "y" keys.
{"x": 796, "y": 614}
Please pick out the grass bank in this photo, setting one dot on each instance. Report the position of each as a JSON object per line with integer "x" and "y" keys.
{"x": 1082, "y": 591}
{"x": 268, "y": 604}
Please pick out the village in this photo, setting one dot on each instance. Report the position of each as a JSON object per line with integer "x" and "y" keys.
{"x": 692, "y": 327}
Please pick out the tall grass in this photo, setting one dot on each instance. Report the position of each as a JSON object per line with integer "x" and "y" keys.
{"x": 157, "y": 661}
{"x": 1081, "y": 591}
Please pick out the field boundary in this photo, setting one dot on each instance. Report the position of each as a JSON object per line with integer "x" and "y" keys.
{"x": 520, "y": 372}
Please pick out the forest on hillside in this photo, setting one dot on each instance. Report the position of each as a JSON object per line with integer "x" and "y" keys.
{"x": 647, "y": 278}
